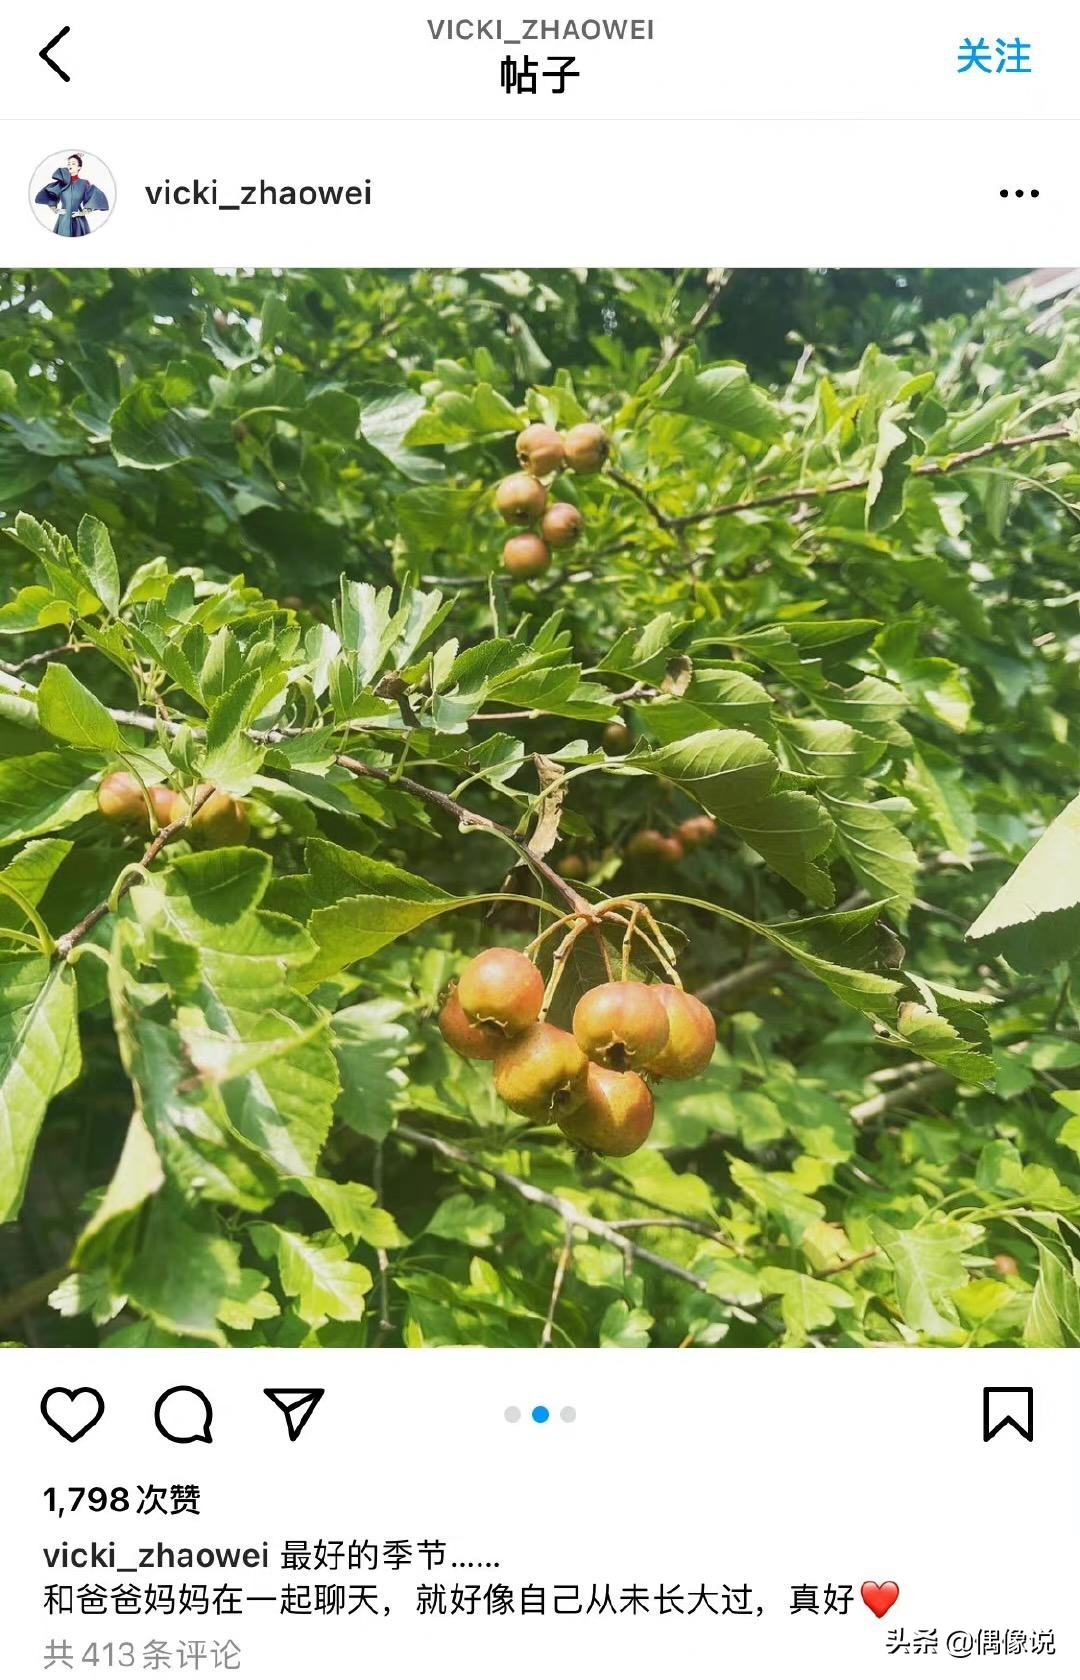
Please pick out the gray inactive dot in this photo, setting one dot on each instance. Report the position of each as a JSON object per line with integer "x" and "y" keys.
{"x": 512, "y": 1414}
{"x": 568, "y": 1414}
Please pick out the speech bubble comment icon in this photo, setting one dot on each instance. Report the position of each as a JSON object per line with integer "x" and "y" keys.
{"x": 184, "y": 1415}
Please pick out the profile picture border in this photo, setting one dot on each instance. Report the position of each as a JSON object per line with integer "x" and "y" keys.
{"x": 46, "y": 171}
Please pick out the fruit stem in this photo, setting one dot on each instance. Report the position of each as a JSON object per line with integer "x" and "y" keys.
{"x": 559, "y": 961}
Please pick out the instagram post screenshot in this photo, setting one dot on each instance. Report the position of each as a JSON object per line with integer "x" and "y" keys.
{"x": 539, "y": 841}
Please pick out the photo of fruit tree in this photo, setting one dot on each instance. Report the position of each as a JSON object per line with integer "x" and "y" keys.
{"x": 539, "y": 809}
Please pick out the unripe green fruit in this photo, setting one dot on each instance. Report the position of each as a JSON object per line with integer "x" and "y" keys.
{"x": 501, "y": 988}
{"x": 476, "y": 1042}
{"x": 562, "y": 525}
{"x": 617, "y": 738}
{"x": 616, "y": 1116}
{"x": 121, "y": 801}
{"x": 621, "y": 1025}
{"x": 521, "y": 499}
{"x": 697, "y": 831}
{"x": 691, "y": 1035}
{"x": 586, "y": 447}
{"x": 526, "y": 556}
{"x": 542, "y": 1073}
{"x": 540, "y": 450}
{"x": 220, "y": 821}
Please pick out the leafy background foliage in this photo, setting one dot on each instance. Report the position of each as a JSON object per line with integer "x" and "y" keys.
{"x": 833, "y": 588}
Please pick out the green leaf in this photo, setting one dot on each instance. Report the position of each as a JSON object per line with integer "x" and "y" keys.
{"x": 182, "y": 1275}
{"x": 99, "y": 561}
{"x": 806, "y": 1303}
{"x": 316, "y": 1272}
{"x": 462, "y": 1219}
{"x": 220, "y": 953}
{"x": 147, "y": 431}
{"x": 353, "y": 1212}
{"x": 370, "y": 1045}
{"x": 1034, "y": 920}
{"x": 929, "y": 1268}
{"x": 45, "y": 791}
{"x": 138, "y": 1177}
{"x": 724, "y": 396}
{"x": 71, "y": 713}
{"x": 880, "y": 856}
{"x": 39, "y": 1056}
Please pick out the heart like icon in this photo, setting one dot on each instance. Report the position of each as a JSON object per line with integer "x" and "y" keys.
{"x": 72, "y": 1412}
{"x": 879, "y": 1596}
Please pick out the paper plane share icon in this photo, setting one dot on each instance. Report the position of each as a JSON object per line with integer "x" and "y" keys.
{"x": 295, "y": 1405}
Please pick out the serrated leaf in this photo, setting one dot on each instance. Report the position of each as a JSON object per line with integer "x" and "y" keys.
{"x": 43, "y": 792}
{"x": 99, "y": 561}
{"x": 1034, "y": 920}
{"x": 929, "y": 1268}
{"x": 39, "y": 1056}
{"x": 71, "y": 713}
{"x": 317, "y": 1272}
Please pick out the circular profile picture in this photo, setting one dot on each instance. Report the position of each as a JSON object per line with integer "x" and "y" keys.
{"x": 72, "y": 194}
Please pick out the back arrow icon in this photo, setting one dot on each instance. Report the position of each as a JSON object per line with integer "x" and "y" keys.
{"x": 47, "y": 49}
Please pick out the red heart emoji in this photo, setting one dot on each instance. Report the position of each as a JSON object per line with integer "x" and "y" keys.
{"x": 879, "y": 1597}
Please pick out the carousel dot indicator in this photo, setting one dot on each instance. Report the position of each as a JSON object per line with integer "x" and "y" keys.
{"x": 568, "y": 1414}
{"x": 540, "y": 1414}
{"x": 512, "y": 1414}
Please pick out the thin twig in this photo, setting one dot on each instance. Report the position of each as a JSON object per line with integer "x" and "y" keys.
{"x": 556, "y": 1287}
{"x": 687, "y": 336}
{"x": 385, "y": 1322}
{"x": 815, "y": 492}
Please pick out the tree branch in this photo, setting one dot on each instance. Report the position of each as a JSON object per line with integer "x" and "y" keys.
{"x": 697, "y": 321}
{"x": 815, "y": 492}
{"x": 31, "y": 1295}
{"x": 67, "y": 941}
{"x": 599, "y": 1228}
{"x": 902, "y": 1096}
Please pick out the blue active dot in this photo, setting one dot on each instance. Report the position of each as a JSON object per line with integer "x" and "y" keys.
{"x": 540, "y": 1414}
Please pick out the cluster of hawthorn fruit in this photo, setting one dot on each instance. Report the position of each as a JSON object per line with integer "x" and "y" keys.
{"x": 219, "y": 820}
{"x": 522, "y": 499}
{"x": 591, "y": 1081}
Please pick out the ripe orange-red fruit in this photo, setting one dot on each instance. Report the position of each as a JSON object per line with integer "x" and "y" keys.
{"x": 526, "y": 556}
{"x": 586, "y": 447}
{"x": 1005, "y": 1265}
{"x": 120, "y": 799}
{"x": 542, "y": 1073}
{"x": 562, "y": 525}
{"x": 500, "y": 987}
{"x": 574, "y": 865}
{"x": 521, "y": 499}
{"x": 616, "y": 1116}
{"x": 220, "y": 821}
{"x": 161, "y": 799}
{"x": 540, "y": 450}
{"x": 691, "y": 1035}
{"x": 648, "y": 845}
{"x": 697, "y": 831}
{"x": 621, "y": 1025}
{"x": 617, "y": 738}
{"x": 469, "y": 1038}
